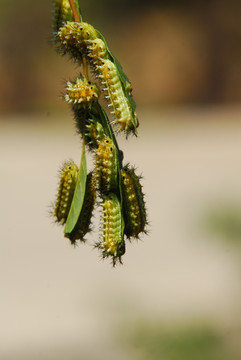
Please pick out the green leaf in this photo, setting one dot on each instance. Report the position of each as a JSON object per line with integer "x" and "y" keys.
{"x": 78, "y": 197}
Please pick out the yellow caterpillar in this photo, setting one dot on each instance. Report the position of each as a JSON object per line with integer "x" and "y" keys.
{"x": 106, "y": 166}
{"x": 134, "y": 204}
{"x": 81, "y": 91}
{"x": 112, "y": 243}
{"x": 68, "y": 178}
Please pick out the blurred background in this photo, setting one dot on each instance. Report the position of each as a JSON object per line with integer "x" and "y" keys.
{"x": 178, "y": 294}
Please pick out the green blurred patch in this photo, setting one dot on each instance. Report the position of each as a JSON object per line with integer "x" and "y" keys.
{"x": 153, "y": 342}
{"x": 225, "y": 222}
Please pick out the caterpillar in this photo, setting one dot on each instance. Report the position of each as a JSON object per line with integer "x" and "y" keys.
{"x": 81, "y": 91}
{"x": 106, "y": 166}
{"x": 112, "y": 243}
{"x": 82, "y": 226}
{"x": 122, "y": 111}
{"x": 107, "y": 71}
{"x": 133, "y": 202}
{"x": 67, "y": 182}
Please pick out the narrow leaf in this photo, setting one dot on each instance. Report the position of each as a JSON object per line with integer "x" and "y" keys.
{"x": 78, "y": 197}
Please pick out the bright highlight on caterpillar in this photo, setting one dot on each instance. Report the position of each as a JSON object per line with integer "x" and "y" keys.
{"x": 116, "y": 188}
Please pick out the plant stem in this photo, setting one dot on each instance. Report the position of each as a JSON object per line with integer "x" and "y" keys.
{"x": 85, "y": 68}
{"x": 74, "y": 11}
{"x": 77, "y": 19}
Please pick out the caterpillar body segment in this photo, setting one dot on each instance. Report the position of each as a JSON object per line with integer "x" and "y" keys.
{"x": 112, "y": 243}
{"x": 62, "y": 13}
{"x": 88, "y": 124}
{"x": 107, "y": 166}
{"x": 83, "y": 225}
{"x": 96, "y": 50}
{"x": 133, "y": 202}
{"x": 67, "y": 183}
{"x": 94, "y": 133}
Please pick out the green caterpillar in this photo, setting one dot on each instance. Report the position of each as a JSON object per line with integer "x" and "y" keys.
{"x": 112, "y": 243}
{"x": 82, "y": 226}
{"x": 134, "y": 204}
{"x": 68, "y": 178}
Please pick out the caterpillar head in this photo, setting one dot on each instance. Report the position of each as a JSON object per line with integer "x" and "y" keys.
{"x": 73, "y": 33}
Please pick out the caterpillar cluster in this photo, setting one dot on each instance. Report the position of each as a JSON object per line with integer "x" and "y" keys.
{"x": 116, "y": 188}
{"x": 85, "y": 40}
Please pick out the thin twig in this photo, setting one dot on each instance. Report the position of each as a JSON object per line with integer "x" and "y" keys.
{"x": 74, "y": 11}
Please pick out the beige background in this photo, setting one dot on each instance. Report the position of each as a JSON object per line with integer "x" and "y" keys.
{"x": 60, "y": 302}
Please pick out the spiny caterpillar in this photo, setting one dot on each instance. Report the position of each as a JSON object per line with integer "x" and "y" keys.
{"x": 106, "y": 166}
{"x": 82, "y": 226}
{"x": 108, "y": 74}
{"x": 68, "y": 178}
{"x": 81, "y": 91}
{"x": 112, "y": 243}
{"x": 134, "y": 204}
